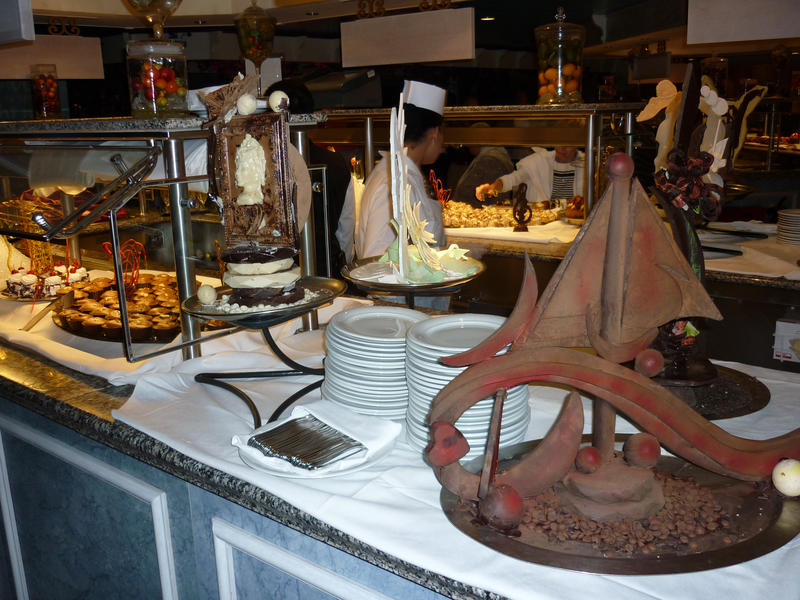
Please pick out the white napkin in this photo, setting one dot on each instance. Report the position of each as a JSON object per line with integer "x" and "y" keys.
{"x": 749, "y": 226}
{"x": 242, "y": 351}
{"x": 377, "y": 435}
{"x": 556, "y": 231}
{"x": 766, "y": 258}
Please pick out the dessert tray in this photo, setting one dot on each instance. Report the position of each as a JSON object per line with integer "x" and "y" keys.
{"x": 371, "y": 275}
{"x": 320, "y": 290}
{"x": 764, "y": 521}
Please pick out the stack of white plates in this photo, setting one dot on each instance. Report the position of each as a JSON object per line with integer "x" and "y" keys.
{"x": 366, "y": 355}
{"x": 789, "y": 226}
{"x": 429, "y": 340}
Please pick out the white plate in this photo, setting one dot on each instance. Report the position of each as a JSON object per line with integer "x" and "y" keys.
{"x": 454, "y": 332}
{"x": 392, "y": 414}
{"x": 363, "y": 346}
{"x": 365, "y": 357}
{"x": 382, "y": 371}
{"x": 512, "y": 415}
{"x": 378, "y": 323}
{"x": 373, "y": 394}
{"x": 515, "y": 394}
{"x": 376, "y": 375}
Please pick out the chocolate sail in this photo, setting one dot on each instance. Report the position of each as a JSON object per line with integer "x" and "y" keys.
{"x": 657, "y": 286}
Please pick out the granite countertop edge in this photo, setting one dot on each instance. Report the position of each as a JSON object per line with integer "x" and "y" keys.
{"x": 148, "y": 450}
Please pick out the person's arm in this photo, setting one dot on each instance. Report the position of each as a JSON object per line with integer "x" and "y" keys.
{"x": 507, "y": 182}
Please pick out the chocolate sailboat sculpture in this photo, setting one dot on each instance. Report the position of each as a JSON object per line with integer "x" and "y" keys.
{"x": 621, "y": 280}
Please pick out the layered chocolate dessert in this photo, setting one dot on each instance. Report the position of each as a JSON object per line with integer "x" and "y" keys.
{"x": 261, "y": 275}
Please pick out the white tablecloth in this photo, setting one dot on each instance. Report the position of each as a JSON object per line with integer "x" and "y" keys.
{"x": 556, "y": 231}
{"x": 106, "y": 359}
{"x": 393, "y": 503}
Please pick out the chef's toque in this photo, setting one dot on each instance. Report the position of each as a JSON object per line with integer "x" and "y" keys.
{"x": 424, "y": 95}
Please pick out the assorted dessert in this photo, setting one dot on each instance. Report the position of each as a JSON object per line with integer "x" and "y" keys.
{"x": 575, "y": 208}
{"x": 153, "y": 309}
{"x": 461, "y": 214}
{"x": 25, "y": 283}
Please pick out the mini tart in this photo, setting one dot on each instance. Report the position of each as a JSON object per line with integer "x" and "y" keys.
{"x": 74, "y": 322}
{"x": 157, "y": 311}
{"x": 112, "y": 329}
{"x": 138, "y": 307}
{"x": 217, "y": 324}
{"x": 104, "y": 282}
{"x": 170, "y": 303}
{"x": 92, "y": 325}
{"x": 94, "y": 291}
{"x": 63, "y": 291}
{"x": 166, "y": 330}
{"x": 79, "y": 285}
{"x": 79, "y": 295}
{"x": 141, "y": 329}
{"x": 99, "y": 311}
{"x": 65, "y": 316}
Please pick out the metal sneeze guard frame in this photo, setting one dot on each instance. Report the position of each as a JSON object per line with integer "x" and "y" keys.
{"x": 120, "y": 190}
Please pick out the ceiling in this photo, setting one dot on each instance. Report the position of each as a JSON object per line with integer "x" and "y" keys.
{"x": 512, "y": 27}
{"x": 614, "y": 27}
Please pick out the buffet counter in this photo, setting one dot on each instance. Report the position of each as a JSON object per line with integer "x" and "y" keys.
{"x": 204, "y": 524}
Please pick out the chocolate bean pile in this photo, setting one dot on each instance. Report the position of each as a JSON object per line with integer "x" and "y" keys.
{"x": 690, "y": 511}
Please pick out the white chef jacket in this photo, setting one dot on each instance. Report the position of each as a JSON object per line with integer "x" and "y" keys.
{"x": 373, "y": 232}
{"x": 536, "y": 170}
{"x": 346, "y": 227}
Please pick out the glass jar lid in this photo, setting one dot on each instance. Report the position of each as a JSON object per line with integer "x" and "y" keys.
{"x": 155, "y": 48}
{"x": 560, "y": 29}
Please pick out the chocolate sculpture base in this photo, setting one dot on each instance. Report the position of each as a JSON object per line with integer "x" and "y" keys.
{"x": 760, "y": 521}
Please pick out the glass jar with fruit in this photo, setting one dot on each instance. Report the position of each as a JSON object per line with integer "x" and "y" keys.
{"x": 157, "y": 79}
{"x": 559, "y": 48}
{"x": 255, "y": 31}
{"x": 44, "y": 86}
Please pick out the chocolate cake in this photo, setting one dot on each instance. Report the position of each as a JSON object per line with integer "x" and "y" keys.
{"x": 259, "y": 275}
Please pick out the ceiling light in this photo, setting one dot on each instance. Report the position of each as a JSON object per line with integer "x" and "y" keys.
{"x": 487, "y": 18}
{"x": 312, "y": 13}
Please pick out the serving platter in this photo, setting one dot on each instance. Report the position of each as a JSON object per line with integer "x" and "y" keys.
{"x": 365, "y": 273}
{"x": 322, "y": 290}
{"x": 761, "y": 518}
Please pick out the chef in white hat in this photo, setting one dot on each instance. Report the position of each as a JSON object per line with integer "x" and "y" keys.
{"x": 423, "y": 107}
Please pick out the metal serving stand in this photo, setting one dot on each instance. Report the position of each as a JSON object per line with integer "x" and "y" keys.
{"x": 158, "y": 139}
{"x": 166, "y": 138}
{"x": 108, "y": 200}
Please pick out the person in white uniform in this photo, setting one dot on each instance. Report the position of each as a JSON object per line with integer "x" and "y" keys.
{"x": 549, "y": 174}
{"x": 371, "y": 236}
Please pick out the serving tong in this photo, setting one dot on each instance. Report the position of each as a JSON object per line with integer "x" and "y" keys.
{"x": 306, "y": 442}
